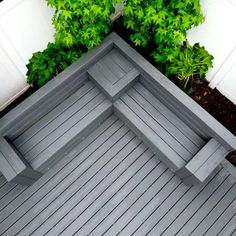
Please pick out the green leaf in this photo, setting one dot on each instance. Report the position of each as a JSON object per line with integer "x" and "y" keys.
{"x": 67, "y": 14}
{"x": 86, "y": 12}
{"x": 130, "y": 24}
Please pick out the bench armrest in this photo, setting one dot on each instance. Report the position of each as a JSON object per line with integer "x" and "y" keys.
{"x": 203, "y": 163}
{"x": 14, "y": 167}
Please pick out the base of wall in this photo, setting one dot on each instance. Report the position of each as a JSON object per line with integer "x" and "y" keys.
{"x": 12, "y": 99}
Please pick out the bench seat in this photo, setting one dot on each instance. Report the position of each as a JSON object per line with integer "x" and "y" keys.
{"x": 52, "y": 135}
{"x": 14, "y": 167}
{"x": 162, "y": 130}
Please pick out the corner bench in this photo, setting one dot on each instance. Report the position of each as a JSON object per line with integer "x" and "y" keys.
{"x": 112, "y": 78}
{"x": 175, "y": 143}
{"x": 14, "y": 167}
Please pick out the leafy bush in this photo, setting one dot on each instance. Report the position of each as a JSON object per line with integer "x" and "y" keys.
{"x": 164, "y": 23}
{"x": 78, "y": 24}
{"x": 191, "y": 62}
{"x": 161, "y": 21}
{"x": 43, "y": 66}
{"x": 81, "y": 22}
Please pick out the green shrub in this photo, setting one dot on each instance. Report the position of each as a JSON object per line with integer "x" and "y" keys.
{"x": 81, "y": 22}
{"x": 163, "y": 21}
{"x": 44, "y": 65}
{"x": 78, "y": 24}
{"x": 191, "y": 62}
{"x": 164, "y": 24}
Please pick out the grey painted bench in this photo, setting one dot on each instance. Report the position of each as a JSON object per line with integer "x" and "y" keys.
{"x": 112, "y": 78}
{"x": 14, "y": 167}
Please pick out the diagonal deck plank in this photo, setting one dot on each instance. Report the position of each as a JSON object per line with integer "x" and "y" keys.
{"x": 111, "y": 183}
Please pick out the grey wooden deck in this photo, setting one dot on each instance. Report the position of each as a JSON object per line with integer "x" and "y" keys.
{"x": 111, "y": 183}
{"x": 50, "y": 133}
{"x": 114, "y": 148}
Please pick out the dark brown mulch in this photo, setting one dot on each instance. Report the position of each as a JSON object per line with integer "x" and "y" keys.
{"x": 219, "y": 107}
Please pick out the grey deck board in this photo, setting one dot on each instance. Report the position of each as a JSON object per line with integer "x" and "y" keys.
{"x": 110, "y": 197}
{"x": 114, "y": 201}
{"x": 2, "y": 180}
{"x": 172, "y": 212}
{"x": 119, "y": 60}
{"x": 188, "y": 110}
{"x": 124, "y": 206}
{"x": 229, "y": 228}
{"x": 193, "y": 206}
{"x": 63, "y": 179}
{"x": 164, "y": 134}
{"x": 212, "y": 162}
{"x": 156, "y": 200}
{"x": 161, "y": 210}
{"x": 61, "y": 121}
{"x": 49, "y": 138}
{"x": 113, "y": 76}
{"x": 57, "y": 140}
{"x": 222, "y": 220}
{"x": 73, "y": 185}
{"x": 169, "y": 115}
{"x": 88, "y": 187}
{"x": 113, "y": 66}
{"x": 155, "y": 185}
{"x": 205, "y": 208}
{"x": 102, "y": 71}
{"x": 87, "y": 164}
{"x": 112, "y": 183}
{"x": 52, "y": 115}
{"x": 5, "y": 189}
{"x": 215, "y": 213}
{"x": 47, "y": 181}
{"x": 10, "y": 196}
{"x": 185, "y": 141}
{"x": 152, "y": 138}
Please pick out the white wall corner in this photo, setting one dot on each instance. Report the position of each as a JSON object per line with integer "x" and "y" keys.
{"x": 225, "y": 68}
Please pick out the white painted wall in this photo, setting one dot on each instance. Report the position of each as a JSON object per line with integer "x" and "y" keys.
{"x": 25, "y": 27}
{"x": 218, "y": 35}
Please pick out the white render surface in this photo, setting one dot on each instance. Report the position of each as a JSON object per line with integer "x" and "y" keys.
{"x": 218, "y": 35}
{"x": 25, "y": 27}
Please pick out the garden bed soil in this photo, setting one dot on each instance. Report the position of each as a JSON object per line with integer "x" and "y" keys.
{"x": 219, "y": 107}
{"x": 211, "y": 100}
